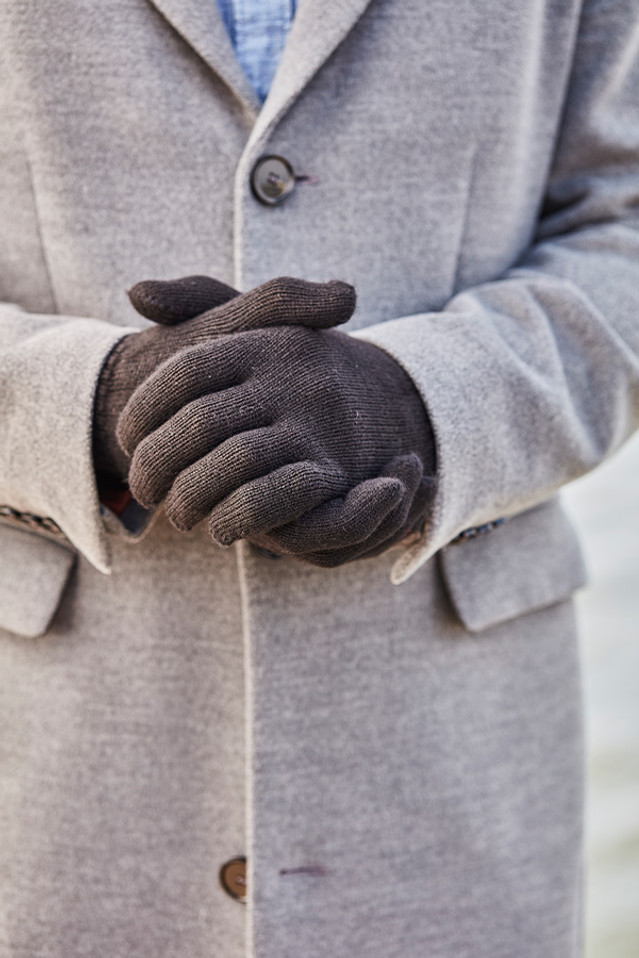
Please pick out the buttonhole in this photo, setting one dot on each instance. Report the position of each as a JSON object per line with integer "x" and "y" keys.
{"x": 309, "y": 178}
{"x": 304, "y": 870}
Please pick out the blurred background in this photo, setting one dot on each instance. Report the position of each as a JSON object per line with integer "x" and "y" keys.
{"x": 605, "y": 506}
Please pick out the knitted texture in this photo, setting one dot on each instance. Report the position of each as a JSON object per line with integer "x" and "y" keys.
{"x": 172, "y": 301}
{"x": 190, "y": 310}
{"x": 306, "y": 441}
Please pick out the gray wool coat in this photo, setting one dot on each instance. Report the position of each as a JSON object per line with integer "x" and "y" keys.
{"x": 395, "y": 745}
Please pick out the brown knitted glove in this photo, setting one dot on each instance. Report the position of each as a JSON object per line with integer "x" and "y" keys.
{"x": 307, "y": 441}
{"x": 191, "y": 311}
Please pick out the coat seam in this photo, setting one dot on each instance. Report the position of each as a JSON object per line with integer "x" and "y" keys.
{"x": 40, "y": 232}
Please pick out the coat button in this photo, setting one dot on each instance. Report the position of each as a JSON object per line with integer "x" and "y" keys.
{"x": 233, "y": 878}
{"x": 272, "y": 179}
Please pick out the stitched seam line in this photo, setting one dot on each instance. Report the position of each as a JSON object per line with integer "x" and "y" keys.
{"x": 40, "y": 233}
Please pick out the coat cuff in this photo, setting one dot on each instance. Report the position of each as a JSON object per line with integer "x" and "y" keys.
{"x": 52, "y": 376}
{"x": 465, "y": 406}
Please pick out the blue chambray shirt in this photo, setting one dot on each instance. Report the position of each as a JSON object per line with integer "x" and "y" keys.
{"x": 258, "y": 30}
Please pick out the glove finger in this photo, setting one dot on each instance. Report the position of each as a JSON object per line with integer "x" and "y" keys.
{"x": 381, "y": 542}
{"x": 239, "y": 460}
{"x": 170, "y": 302}
{"x": 272, "y": 500}
{"x": 194, "y": 430}
{"x": 409, "y": 471}
{"x": 339, "y": 522}
{"x": 283, "y": 301}
{"x": 192, "y": 372}
{"x": 396, "y": 525}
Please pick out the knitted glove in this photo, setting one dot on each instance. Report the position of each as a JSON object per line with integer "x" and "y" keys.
{"x": 191, "y": 310}
{"x": 307, "y": 441}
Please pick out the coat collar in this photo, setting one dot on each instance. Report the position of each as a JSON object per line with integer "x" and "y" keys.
{"x": 317, "y": 30}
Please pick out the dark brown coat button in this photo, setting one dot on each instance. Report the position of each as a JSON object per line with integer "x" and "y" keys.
{"x": 233, "y": 878}
{"x": 272, "y": 179}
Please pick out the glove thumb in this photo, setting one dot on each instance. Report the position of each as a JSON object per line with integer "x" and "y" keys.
{"x": 284, "y": 301}
{"x": 170, "y": 302}
{"x": 221, "y": 310}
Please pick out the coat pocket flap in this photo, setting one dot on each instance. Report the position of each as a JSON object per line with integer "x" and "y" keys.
{"x": 34, "y": 571}
{"x": 531, "y": 561}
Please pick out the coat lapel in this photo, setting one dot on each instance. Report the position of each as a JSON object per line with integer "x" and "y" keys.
{"x": 200, "y": 24}
{"x": 317, "y": 30}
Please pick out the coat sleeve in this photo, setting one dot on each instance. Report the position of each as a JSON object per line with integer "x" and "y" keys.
{"x": 532, "y": 379}
{"x": 49, "y": 368}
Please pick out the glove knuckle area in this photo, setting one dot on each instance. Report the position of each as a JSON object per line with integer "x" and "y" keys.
{"x": 203, "y": 367}
{"x": 244, "y": 451}
{"x": 274, "y": 499}
{"x": 199, "y": 487}
{"x": 252, "y": 454}
{"x": 201, "y": 423}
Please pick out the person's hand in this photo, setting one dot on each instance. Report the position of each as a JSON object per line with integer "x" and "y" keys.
{"x": 189, "y": 311}
{"x": 307, "y": 441}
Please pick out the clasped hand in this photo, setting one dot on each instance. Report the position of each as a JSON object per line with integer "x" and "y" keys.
{"x": 300, "y": 438}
